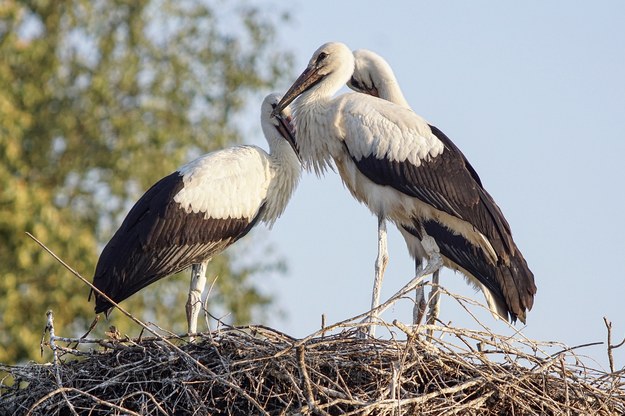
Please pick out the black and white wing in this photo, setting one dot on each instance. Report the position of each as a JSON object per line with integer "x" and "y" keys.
{"x": 184, "y": 219}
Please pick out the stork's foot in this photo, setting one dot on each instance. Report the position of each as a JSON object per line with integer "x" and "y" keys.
{"x": 434, "y": 300}
{"x": 418, "y": 310}
{"x": 366, "y": 331}
{"x": 367, "y": 326}
{"x": 434, "y": 303}
{"x": 435, "y": 262}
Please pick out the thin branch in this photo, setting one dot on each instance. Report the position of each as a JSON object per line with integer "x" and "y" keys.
{"x": 611, "y": 347}
{"x": 57, "y": 372}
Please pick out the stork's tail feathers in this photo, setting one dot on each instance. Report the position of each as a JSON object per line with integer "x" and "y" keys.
{"x": 508, "y": 286}
{"x": 102, "y": 305}
{"x": 513, "y": 295}
{"x": 518, "y": 288}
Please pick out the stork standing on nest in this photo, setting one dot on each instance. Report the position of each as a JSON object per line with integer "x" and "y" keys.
{"x": 374, "y": 76}
{"x": 410, "y": 173}
{"x": 196, "y": 212}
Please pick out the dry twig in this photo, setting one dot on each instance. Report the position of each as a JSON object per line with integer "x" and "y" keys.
{"x": 611, "y": 346}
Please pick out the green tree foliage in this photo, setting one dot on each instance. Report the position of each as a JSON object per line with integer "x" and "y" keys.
{"x": 98, "y": 100}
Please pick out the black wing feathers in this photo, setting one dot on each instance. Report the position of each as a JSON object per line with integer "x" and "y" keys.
{"x": 448, "y": 183}
{"x": 452, "y": 146}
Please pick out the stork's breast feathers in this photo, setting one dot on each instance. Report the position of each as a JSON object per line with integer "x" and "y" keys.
{"x": 230, "y": 183}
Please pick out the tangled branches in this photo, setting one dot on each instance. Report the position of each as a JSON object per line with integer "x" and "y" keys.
{"x": 258, "y": 370}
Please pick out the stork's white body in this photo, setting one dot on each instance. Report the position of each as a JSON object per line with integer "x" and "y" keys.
{"x": 198, "y": 211}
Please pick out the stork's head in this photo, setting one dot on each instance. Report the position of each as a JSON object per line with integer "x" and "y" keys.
{"x": 369, "y": 67}
{"x": 374, "y": 76}
{"x": 329, "y": 68}
{"x": 280, "y": 122}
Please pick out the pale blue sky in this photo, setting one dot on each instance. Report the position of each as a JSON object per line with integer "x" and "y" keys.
{"x": 534, "y": 95}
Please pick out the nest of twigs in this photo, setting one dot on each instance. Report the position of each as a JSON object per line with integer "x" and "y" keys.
{"x": 431, "y": 370}
{"x": 258, "y": 370}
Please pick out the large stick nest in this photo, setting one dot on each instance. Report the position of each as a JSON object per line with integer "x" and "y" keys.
{"x": 257, "y": 370}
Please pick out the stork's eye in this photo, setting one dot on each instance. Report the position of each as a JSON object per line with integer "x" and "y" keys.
{"x": 274, "y": 105}
{"x": 321, "y": 57}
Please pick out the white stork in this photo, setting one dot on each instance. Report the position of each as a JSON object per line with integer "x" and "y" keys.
{"x": 410, "y": 173}
{"x": 196, "y": 212}
{"x": 373, "y": 75}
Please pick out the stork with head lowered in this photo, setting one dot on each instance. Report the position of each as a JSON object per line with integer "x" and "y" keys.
{"x": 198, "y": 211}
